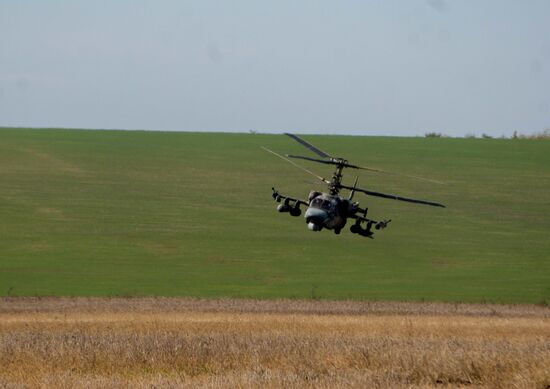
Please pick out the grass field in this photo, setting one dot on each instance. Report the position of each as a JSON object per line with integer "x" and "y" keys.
{"x": 115, "y": 213}
{"x": 146, "y": 342}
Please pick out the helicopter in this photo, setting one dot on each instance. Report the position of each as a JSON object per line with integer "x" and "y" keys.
{"x": 330, "y": 210}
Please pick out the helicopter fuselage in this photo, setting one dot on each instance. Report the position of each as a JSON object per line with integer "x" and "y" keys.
{"x": 327, "y": 211}
{"x": 330, "y": 212}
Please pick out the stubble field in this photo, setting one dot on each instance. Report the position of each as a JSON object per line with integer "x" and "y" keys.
{"x": 174, "y": 342}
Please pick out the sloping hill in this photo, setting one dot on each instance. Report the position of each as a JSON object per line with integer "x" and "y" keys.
{"x": 150, "y": 213}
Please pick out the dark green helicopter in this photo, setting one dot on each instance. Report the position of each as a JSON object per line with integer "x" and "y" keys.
{"x": 330, "y": 210}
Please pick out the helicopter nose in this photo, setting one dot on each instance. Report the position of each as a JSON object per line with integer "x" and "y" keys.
{"x": 313, "y": 227}
{"x": 315, "y": 216}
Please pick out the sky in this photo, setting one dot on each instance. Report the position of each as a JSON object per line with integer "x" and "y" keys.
{"x": 340, "y": 67}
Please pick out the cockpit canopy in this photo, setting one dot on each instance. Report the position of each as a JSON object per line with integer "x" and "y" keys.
{"x": 321, "y": 203}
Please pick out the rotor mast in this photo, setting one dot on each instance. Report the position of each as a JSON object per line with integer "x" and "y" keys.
{"x": 336, "y": 181}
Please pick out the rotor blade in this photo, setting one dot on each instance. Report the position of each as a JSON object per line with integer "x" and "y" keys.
{"x": 367, "y": 168}
{"x": 329, "y": 162}
{"x": 393, "y": 197}
{"x": 417, "y": 178}
{"x": 353, "y": 190}
{"x": 337, "y": 162}
{"x": 308, "y": 145}
{"x": 346, "y": 164}
{"x": 295, "y": 164}
{"x": 395, "y": 174}
{"x": 325, "y": 155}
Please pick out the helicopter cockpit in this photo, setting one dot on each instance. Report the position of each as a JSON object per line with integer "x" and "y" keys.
{"x": 321, "y": 203}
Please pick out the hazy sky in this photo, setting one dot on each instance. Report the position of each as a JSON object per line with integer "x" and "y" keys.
{"x": 370, "y": 67}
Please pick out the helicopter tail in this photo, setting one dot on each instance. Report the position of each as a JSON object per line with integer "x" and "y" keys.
{"x": 353, "y": 190}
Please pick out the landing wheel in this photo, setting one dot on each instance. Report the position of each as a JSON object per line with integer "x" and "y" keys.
{"x": 354, "y": 229}
{"x": 337, "y": 231}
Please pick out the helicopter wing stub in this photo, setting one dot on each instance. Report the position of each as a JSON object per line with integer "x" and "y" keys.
{"x": 393, "y": 197}
{"x": 288, "y": 204}
{"x": 287, "y": 199}
{"x": 316, "y": 150}
{"x": 364, "y": 219}
{"x": 295, "y": 164}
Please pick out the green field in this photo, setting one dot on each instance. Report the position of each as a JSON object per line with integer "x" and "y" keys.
{"x": 122, "y": 213}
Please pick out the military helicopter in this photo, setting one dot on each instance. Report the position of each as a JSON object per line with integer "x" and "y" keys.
{"x": 330, "y": 210}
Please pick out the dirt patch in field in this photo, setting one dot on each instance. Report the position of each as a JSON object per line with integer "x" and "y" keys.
{"x": 286, "y": 306}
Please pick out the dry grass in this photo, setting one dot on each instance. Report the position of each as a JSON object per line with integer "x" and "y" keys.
{"x": 246, "y": 343}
